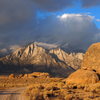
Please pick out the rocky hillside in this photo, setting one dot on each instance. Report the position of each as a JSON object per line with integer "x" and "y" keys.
{"x": 92, "y": 58}
{"x": 34, "y": 58}
{"x": 90, "y": 68}
{"x": 73, "y": 59}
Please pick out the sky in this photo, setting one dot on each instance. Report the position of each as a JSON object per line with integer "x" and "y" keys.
{"x": 73, "y": 23}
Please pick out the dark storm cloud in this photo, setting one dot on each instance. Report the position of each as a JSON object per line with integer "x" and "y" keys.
{"x": 18, "y": 11}
{"x": 15, "y": 18}
{"x": 14, "y": 10}
{"x": 90, "y": 3}
{"x": 56, "y": 5}
{"x": 76, "y": 30}
{"x": 53, "y": 5}
{"x": 14, "y": 14}
{"x": 19, "y": 23}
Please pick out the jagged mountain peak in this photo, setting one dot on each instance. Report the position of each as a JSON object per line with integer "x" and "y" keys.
{"x": 30, "y": 50}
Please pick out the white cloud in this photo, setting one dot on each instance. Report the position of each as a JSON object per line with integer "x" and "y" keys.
{"x": 3, "y": 50}
{"x": 47, "y": 45}
{"x": 65, "y": 16}
{"x": 77, "y": 30}
{"x": 98, "y": 20}
{"x": 14, "y": 47}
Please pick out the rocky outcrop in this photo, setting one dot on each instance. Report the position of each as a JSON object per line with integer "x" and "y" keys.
{"x": 92, "y": 58}
{"x": 37, "y": 75}
{"x": 90, "y": 68}
{"x": 34, "y": 58}
{"x": 82, "y": 77}
{"x": 73, "y": 59}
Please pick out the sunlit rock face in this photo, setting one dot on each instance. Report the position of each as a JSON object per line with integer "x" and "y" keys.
{"x": 89, "y": 72}
{"x": 92, "y": 58}
{"x": 35, "y": 58}
{"x": 73, "y": 59}
{"x": 83, "y": 77}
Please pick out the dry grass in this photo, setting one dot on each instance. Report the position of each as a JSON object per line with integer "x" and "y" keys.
{"x": 25, "y": 80}
{"x": 93, "y": 88}
{"x": 51, "y": 91}
{"x": 47, "y": 88}
{"x": 61, "y": 91}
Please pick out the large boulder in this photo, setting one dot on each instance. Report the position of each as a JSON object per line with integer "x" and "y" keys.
{"x": 91, "y": 59}
{"x": 82, "y": 77}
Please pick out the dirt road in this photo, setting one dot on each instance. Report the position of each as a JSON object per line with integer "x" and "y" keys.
{"x": 12, "y": 94}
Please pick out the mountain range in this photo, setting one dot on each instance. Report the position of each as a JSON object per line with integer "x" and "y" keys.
{"x": 36, "y": 57}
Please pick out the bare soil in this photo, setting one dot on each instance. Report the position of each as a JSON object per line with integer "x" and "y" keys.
{"x": 12, "y": 94}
